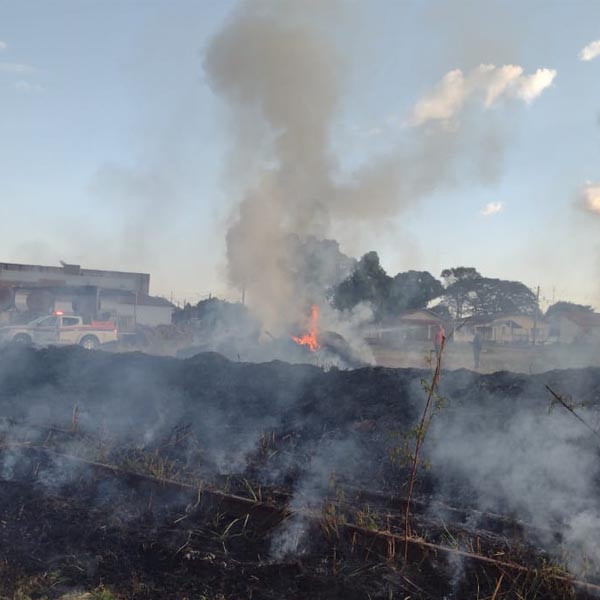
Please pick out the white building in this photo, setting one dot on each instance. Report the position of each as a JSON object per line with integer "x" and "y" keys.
{"x": 27, "y": 291}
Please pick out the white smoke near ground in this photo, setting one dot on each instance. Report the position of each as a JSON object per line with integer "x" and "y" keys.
{"x": 591, "y": 51}
{"x": 281, "y": 68}
{"x": 523, "y": 460}
{"x": 346, "y": 323}
{"x": 336, "y": 457}
{"x": 487, "y": 83}
{"x": 582, "y": 537}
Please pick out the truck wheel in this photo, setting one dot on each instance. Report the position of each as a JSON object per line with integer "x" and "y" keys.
{"x": 89, "y": 342}
{"x": 23, "y": 338}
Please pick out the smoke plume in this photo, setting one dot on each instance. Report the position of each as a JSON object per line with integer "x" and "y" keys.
{"x": 287, "y": 76}
{"x": 283, "y": 76}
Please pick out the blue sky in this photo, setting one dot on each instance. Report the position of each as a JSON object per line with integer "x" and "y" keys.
{"x": 113, "y": 147}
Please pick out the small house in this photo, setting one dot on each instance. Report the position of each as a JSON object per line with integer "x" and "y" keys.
{"x": 412, "y": 325}
{"x": 518, "y": 329}
{"x": 571, "y": 327}
{"x": 503, "y": 329}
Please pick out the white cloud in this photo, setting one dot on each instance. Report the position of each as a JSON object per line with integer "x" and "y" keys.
{"x": 444, "y": 102}
{"x": 591, "y": 51}
{"x": 529, "y": 87}
{"x": 491, "y": 208}
{"x": 488, "y": 82}
{"x": 495, "y": 81}
{"x": 590, "y": 197}
{"x": 8, "y": 67}
{"x": 3, "y": 45}
{"x": 28, "y": 88}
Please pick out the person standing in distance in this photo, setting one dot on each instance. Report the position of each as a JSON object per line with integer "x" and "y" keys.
{"x": 477, "y": 345}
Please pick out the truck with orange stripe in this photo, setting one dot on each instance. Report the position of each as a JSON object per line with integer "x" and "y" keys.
{"x": 61, "y": 329}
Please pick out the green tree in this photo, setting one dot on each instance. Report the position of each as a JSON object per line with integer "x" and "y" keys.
{"x": 367, "y": 283}
{"x": 455, "y": 274}
{"x": 389, "y": 296}
{"x": 484, "y": 296}
{"x": 457, "y": 282}
{"x": 412, "y": 290}
{"x": 562, "y": 307}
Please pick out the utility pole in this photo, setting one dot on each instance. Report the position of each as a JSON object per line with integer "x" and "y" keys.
{"x": 535, "y": 318}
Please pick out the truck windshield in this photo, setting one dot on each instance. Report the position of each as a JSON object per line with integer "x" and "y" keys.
{"x": 45, "y": 322}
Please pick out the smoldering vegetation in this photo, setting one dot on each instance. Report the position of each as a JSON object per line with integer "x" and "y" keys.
{"x": 314, "y": 453}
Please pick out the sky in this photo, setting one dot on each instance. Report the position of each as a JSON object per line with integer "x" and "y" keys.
{"x": 116, "y": 149}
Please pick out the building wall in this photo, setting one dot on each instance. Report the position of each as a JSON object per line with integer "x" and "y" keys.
{"x": 12, "y": 274}
{"x": 396, "y": 336}
{"x": 504, "y": 332}
{"x": 127, "y": 315}
{"x": 567, "y": 330}
{"x": 152, "y": 316}
{"x": 466, "y": 333}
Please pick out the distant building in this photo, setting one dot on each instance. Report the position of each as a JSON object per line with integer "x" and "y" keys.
{"x": 464, "y": 330}
{"x": 67, "y": 275}
{"x": 570, "y": 327}
{"x": 129, "y": 310}
{"x": 503, "y": 329}
{"x": 27, "y": 291}
{"x": 412, "y": 325}
{"x": 518, "y": 329}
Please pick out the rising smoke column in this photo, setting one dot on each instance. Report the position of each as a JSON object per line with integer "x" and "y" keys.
{"x": 287, "y": 76}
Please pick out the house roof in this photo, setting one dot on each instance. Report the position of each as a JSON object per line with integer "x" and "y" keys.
{"x": 146, "y": 301}
{"x": 139, "y": 300}
{"x": 583, "y": 319}
{"x": 500, "y": 317}
{"x": 421, "y": 316}
{"x": 154, "y": 301}
{"x": 510, "y": 322}
{"x": 412, "y": 315}
{"x": 66, "y": 268}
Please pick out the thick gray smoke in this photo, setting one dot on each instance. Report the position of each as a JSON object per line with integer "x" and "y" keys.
{"x": 279, "y": 67}
{"x": 286, "y": 76}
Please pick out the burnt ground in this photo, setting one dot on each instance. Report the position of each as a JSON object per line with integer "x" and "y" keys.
{"x": 130, "y": 476}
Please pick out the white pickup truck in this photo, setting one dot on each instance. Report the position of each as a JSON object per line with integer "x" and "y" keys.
{"x": 59, "y": 329}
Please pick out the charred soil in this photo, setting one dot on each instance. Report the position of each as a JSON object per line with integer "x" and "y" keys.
{"x": 131, "y": 476}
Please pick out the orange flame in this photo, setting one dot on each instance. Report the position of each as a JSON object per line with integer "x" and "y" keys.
{"x": 310, "y": 339}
